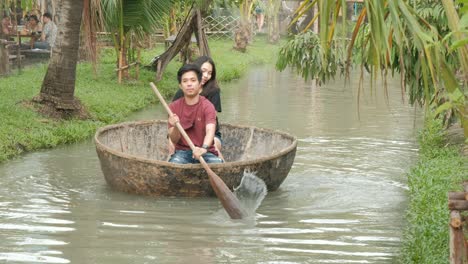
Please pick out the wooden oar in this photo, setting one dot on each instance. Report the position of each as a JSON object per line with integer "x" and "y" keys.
{"x": 229, "y": 201}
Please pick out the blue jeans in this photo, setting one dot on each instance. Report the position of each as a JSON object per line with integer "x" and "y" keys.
{"x": 41, "y": 45}
{"x": 218, "y": 136}
{"x": 185, "y": 157}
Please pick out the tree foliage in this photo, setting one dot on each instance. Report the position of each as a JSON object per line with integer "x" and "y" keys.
{"x": 129, "y": 21}
{"x": 307, "y": 56}
{"x": 422, "y": 40}
{"x": 137, "y": 17}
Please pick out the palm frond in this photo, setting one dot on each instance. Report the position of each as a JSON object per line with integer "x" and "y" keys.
{"x": 138, "y": 16}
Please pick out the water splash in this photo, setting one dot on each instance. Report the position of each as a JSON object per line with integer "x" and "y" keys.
{"x": 250, "y": 192}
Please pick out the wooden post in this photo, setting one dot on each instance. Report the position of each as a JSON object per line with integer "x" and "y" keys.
{"x": 4, "y": 59}
{"x": 183, "y": 37}
{"x": 201, "y": 36}
{"x": 18, "y": 50}
{"x": 465, "y": 186}
{"x": 457, "y": 239}
{"x": 458, "y": 195}
{"x": 137, "y": 70}
{"x": 120, "y": 64}
{"x": 461, "y": 205}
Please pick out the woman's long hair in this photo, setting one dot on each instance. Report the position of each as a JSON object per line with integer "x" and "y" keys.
{"x": 211, "y": 85}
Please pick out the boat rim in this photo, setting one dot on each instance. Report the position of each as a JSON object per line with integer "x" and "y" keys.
{"x": 191, "y": 166}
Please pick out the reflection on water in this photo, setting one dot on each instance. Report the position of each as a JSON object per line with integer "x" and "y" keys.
{"x": 343, "y": 201}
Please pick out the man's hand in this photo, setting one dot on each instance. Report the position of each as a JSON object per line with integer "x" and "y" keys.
{"x": 173, "y": 120}
{"x": 174, "y": 134}
{"x": 198, "y": 152}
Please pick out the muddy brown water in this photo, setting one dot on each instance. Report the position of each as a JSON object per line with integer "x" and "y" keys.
{"x": 343, "y": 201}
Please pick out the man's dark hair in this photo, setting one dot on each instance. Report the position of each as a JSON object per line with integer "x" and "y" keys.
{"x": 34, "y": 17}
{"x": 189, "y": 68}
{"x": 48, "y": 15}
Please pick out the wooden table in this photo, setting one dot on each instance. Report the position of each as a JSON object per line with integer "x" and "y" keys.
{"x": 18, "y": 37}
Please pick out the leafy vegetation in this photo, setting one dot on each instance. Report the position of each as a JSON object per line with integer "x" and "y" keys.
{"x": 23, "y": 129}
{"x": 422, "y": 40}
{"x": 305, "y": 54}
{"x": 440, "y": 169}
{"x": 130, "y": 20}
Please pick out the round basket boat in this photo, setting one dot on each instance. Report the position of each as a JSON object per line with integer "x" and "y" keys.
{"x": 134, "y": 155}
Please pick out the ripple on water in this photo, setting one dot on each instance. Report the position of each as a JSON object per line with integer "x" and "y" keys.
{"x": 25, "y": 257}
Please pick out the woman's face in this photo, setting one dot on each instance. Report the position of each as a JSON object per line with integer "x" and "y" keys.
{"x": 207, "y": 70}
{"x": 6, "y": 21}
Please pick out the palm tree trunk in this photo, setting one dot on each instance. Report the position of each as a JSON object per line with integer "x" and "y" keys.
{"x": 273, "y": 21}
{"x": 243, "y": 33}
{"x": 58, "y": 87}
{"x": 316, "y": 24}
{"x": 201, "y": 36}
{"x": 90, "y": 26}
{"x": 454, "y": 22}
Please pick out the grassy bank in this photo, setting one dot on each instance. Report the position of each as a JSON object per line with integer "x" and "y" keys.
{"x": 24, "y": 130}
{"x": 440, "y": 169}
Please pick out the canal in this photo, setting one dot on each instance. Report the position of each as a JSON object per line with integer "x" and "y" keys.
{"x": 343, "y": 202}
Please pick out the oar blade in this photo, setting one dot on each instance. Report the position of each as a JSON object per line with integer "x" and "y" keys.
{"x": 229, "y": 201}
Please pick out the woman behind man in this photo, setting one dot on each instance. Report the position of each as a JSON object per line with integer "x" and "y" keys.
{"x": 34, "y": 28}
{"x": 7, "y": 26}
{"x": 211, "y": 91}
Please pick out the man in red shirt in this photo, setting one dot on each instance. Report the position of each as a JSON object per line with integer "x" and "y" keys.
{"x": 197, "y": 116}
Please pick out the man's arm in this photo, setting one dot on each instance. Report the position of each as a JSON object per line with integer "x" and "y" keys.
{"x": 210, "y": 127}
{"x": 207, "y": 141}
{"x": 174, "y": 134}
{"x": 43, "y": 34}
{"x": 210, "y": 132}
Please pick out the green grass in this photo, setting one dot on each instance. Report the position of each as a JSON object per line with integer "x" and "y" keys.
{"x": 24, "y": 130}
{"x": 440, "y": 169}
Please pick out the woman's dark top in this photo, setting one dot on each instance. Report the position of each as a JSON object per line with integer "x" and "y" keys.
{"x": 214, "y": 96}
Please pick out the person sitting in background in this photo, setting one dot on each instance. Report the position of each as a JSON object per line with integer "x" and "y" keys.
{"x": 7, "y": 26}
{"x": 260, "y": 15}
{"x": 33, "y": 26}
{"x": 48, "y": 35}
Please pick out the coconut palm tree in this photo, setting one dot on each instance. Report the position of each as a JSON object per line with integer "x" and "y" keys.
{"x": 58, "y": 86}
{"x": 244, "y": 33}
{"x": 130, "y": 20}
{"x": 272, "y": 12}
{"x": 392, "y": 36}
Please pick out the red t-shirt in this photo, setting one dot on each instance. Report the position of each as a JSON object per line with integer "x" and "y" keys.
{"x": 194, "y": 119}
